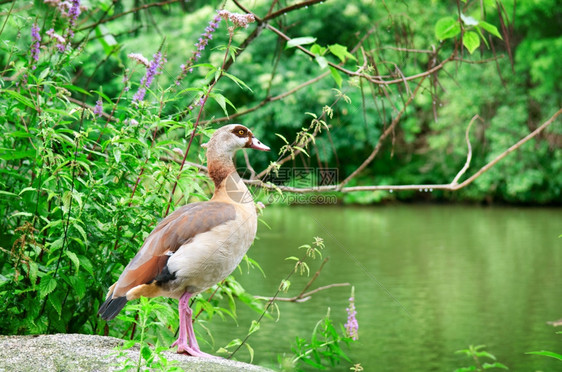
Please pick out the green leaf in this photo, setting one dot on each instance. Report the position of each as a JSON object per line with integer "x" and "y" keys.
{"x": 76, "y": 89}
{"x": 471, "y": 41}
{"x": 146, "y": 352}
{"x": 86, "y": 264}
{"x": 47, "y": 285}
{"x": 18, "y": 97}
{"x": 301, "y": 150}
{"x": 57, "y": 243}
{"x": 490, "y": 28}
{"x": 254, "y": 327}
{"x": 222, "y": 101}
{"x": 74, "y": 258}
{"x": 336, "y": 76}
{"x": 56, "y": 301}
{"x": 546, "y": 353}
{"x": 322, "y": 62}
{"x": 318, "y": 50}
{"x": 33, "y": 271}
{"x": 10, "y": 154}
{"x": 300, "y": 41}
{"x": 44, "y": 73}
{"x": 117, "y": 155}
{"x": 239, "y": 82}
{"x": 341, "y": 52}
{"x": 283, "y": 138}
{"x": 106, "y": 39}
{"x": 447, "y": 28}
{"x": 235, "y": 342}
{"x": 9, "y": 194}
{"x": 479, "y": 31}
{"x": 251, "y": 351}
{"x": 78, "y": 286}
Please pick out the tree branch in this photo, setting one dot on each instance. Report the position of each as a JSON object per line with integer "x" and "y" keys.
{"x": 145, "y": 6}
{"x": 305, "y": 296}
{"x": 385, "y": 134}
{"x": 424, "y": 187}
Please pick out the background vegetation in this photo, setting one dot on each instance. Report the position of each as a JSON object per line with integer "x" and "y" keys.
{"x": 88, "y": 168}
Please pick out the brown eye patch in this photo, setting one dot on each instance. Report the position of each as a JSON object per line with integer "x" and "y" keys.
{"x": 240, "y": 131}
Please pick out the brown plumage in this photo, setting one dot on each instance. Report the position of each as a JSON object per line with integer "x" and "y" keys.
{"x": 196, "y": 246}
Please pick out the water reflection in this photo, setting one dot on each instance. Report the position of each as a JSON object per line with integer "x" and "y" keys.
{"x": 429, "y": 280}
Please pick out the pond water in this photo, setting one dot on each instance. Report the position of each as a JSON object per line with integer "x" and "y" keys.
{"x": 429, "y": 280}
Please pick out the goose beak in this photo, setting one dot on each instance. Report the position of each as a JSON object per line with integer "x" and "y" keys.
{"x": 256, "y": 144}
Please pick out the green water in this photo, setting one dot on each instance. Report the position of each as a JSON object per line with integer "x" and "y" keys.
{"x": 429, "y": 280}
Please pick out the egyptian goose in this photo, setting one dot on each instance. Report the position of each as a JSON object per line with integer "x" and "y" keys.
{"x": 196, "y": 246}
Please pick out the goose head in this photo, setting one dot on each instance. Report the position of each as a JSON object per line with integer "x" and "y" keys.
{"x": 226, "y": 140}
{"x": 222, "y": 146}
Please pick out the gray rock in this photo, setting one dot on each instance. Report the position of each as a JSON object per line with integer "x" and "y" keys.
{"x": 75, "y": 353}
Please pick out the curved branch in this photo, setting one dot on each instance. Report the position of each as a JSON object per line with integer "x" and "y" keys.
{"x": 469, "y": 151}
{"x": 507, "y": 152}
{"x": 427, "y": 187}
{"x": 372, "y": 79}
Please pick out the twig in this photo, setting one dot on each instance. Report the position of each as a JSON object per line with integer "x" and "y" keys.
{"x": 372, "y": 79}
{"x": 198, "y": 120}
{"x": 248, "y": 165}
{"x": 300, "y": 295}
{"x": 303, "y": 297}
{"x": 425, "y": 187}
{"x": 145, "y": 6}
{"x": 291, "y": 8}
{"x": 469, "y": 151}
{"x": 85, "y": 105}
{"x": 508, "y": 151}
{"x": 381, "y": 138}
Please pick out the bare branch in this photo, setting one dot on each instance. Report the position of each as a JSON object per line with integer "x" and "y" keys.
{"x": 427, "y": 187}
{"x": 291, "y": 8}
{"x": 372, "y": 79}
{"x": 303, "y": 297}
{"x": 469, "y": 151}
{"x": 145, "y": 6}
{"x": 382, "y": 138}
{"x": 508, "y": 151}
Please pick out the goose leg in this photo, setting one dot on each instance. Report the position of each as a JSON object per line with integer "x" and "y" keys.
{"x": 186, "y": 333}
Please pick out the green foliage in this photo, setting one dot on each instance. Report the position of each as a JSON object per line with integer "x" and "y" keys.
{"x": 549, "y": 354}
{"x": 147, "y": 313}
{"x": 323, "y": 350}
{"x": 83, "y": 184}
{"x": 477, "y": 354}
{"x": 448, "y": 28}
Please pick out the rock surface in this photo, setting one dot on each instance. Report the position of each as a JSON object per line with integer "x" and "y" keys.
{"x": 74, "y": 353}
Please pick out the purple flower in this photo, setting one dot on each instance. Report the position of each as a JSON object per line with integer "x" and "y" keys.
{"x": 74, "y": 11}
{"x": 199, "y": 47}
{"x": 352, "y": 326}
{"x": 153, "y": 69}
{"x": 139, "y": 58}
{"x": 69, "y": 9}
{"x": 98, "y": 110}
{"x": 239, "y": 20}
{"x": 36, "y": 43}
